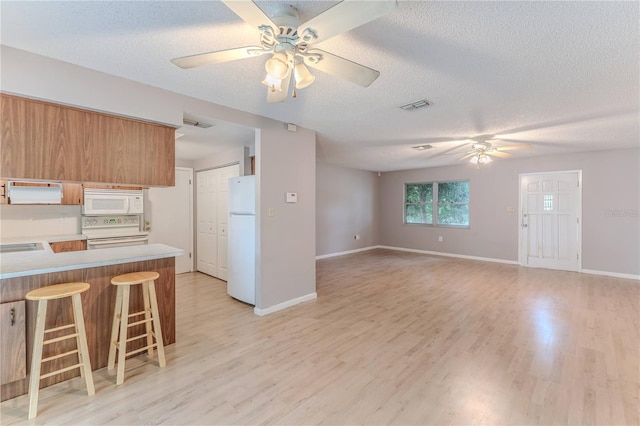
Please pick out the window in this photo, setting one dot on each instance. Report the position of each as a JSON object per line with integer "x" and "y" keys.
{"x": 439, "y": 203}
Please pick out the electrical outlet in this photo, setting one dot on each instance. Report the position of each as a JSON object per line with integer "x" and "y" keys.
{"x": 356, "y": 237}
{"x": 440, "y": 239}
{"x": 271, "y": 212}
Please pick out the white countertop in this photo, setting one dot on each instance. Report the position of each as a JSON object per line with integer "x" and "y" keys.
{"x": 21, "y": 264}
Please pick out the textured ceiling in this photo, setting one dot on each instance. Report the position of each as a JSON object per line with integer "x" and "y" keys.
{"x": 562, "y": 76}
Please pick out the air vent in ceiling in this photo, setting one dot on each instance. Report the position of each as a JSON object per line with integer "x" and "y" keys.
{"x": 422, "y": 147}
{"x": 196, "y": 123}
{"x": 421, "y": 103}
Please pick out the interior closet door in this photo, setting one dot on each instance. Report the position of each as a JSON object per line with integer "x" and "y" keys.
{"x": 223, "y": 216}
{"x": 212, "y": 216}
{"x": 206, "y": 236}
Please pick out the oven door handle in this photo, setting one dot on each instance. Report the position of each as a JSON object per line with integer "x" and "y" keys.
{"x": 123, "y": 240}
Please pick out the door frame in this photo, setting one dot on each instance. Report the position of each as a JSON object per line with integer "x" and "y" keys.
{"x": 521, "y": 259}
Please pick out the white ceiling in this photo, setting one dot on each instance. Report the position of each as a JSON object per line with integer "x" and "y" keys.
{"x": 562, "y": 76}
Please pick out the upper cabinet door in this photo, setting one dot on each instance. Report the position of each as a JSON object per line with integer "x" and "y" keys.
{"x": 46, "y": 141}
{"x": 40, "y": 141}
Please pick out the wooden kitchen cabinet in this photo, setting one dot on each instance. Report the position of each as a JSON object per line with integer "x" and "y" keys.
{"x": 66, "y": 246}
{"x": 13, "y": 349}
{"x": 3, "y": 192}
{"x": 107, "y": 186}
{"x": 72, "y": 193}
{"x": 47, "y": 141}
{"x": 41, "y": 140}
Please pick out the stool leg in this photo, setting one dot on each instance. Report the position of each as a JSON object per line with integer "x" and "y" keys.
{"x": 114, "y": 329}
{"x": 36, "y": 360}
{"x": 156, "y": 323}
{"x": 83, "y": 348}
{"x": 147, "y": 316}
{"x": 122, "y": 338}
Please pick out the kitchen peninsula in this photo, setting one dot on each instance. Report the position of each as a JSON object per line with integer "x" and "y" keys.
{"x": 23, "y": 271}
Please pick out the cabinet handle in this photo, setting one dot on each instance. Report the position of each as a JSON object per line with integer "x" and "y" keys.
{"x": 12, "y": 316}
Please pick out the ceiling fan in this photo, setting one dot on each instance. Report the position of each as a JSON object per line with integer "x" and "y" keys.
{"x": 482, "y": 150}
{"x": 290, "y": 44}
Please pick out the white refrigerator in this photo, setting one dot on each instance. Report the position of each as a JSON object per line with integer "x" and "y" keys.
{"x": 241, "y": 266}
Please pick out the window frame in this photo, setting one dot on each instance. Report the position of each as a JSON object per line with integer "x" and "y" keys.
{"x": 435, "y": 203}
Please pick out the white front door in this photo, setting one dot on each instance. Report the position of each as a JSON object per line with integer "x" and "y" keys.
{"x": 212, "y": 190}
{"x": 549, "y": 220}
{"x": 170, "y": 215}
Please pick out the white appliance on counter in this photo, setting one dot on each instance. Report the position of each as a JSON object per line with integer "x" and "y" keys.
{"x": 241, "y": 266}
{"x": 113, "y": 231}
{"x": 112, "y": 202}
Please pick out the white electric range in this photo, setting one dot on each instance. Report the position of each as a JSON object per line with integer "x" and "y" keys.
{"x": 113, "y": 231}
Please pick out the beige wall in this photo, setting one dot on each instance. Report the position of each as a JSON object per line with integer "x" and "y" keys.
{"x": 286, "y": 250}
{"x": 611, "y": 181}
{"x": 346, "y": 204}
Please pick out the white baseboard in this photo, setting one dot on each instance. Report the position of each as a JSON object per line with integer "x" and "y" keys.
{"x": 284, "y": 305}
{"x": 484, "y": 259}
{"x": 610, "y": 274}
{"x": 342, "y": 253}
{"x": 460, "y": 256}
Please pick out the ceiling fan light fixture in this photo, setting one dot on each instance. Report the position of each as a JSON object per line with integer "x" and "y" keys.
{"x": 303, "y": 77}
{"x": 272, "y": 82}
{"x": 277, "y": 66}
{"x": 480, "y": 159}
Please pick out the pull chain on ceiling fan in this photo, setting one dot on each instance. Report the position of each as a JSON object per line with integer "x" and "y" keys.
{"x": 289, "y": 43}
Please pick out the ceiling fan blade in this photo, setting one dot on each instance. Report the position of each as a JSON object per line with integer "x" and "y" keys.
{"x": 340, "y": 67}
{"x": 498, "y": 154}
{"x": 469, "y": 155}
{"x": 345, "y": 16}
{"x": 218, "y": 56}
{"x": 280, "y": 95}
{"x": 512, "y": 147}
{"x": 250, "y": 13}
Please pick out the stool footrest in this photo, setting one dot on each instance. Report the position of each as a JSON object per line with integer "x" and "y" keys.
{"x": 58, "y": 339}
{"x": 131, "y": 324}
{"x": 135, "y": 314}
{"x": 137, "y": 351}
{"x": 62, "y": 370}
{"x": 63, "y": 327}
{"x": 51, "y": 358}
{"x": 141, "y": 336}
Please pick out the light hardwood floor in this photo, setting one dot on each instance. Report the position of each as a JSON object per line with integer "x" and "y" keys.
{"x": 393, "y": 338}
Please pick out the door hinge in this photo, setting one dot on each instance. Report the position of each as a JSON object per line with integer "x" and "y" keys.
{"x": 189, "y": 255}
{"x": 189, "y": 181}
{"x": 578, "y": 220}
{"x": 577, "y": 256}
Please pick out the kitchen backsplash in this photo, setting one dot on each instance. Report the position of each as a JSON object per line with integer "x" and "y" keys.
{"x": 31, "y": 220}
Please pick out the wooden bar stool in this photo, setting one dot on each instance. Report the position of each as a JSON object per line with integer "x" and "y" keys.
{"x": 121, "y": 317}
{"x": 42, "y": 295}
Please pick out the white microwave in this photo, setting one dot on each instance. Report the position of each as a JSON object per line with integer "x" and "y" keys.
{"x": 112, "y": 202}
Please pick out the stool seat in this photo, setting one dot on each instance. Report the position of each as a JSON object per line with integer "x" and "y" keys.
{"x": 134, "y": 278}
{"x": 121, "y": 324}
{"x": 57, "y": 291}
{"x": 42, "y": 295}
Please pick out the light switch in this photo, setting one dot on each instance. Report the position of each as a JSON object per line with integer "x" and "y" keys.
{"x": 292, "y": 197}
